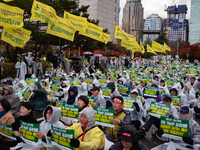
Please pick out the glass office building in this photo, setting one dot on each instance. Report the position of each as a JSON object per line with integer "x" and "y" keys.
{"x": 194, "y": 35}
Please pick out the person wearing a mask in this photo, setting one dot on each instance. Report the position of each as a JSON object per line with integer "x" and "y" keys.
{"x": 82, "y": 89}
{"x": 58, "y": 71}
{"x": 72, "y": 97}
{"x": 121, "y": 118}
{"x": 156, "y": 121}
{"x": 99, "y": 100}
{"x": 21, "y": 69}
{"x": 194, "y": 128}
{"x": 37, "y": 69}
{"x": 13, "y": 100}
{"x": 164, "y": 87}
{"x": 51, "y": 117}
{"x": 86, "y": 134}
{"x": 39, "y": 97}
{"x": 15, "y": 85}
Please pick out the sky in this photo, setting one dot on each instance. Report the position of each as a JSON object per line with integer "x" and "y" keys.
{"x": 156, "y": 7}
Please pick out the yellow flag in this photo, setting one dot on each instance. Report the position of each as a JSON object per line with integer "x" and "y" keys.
{"x": 132, "y": 54}
{"x": 11, "y": 16}
{"x": 120, "y": 34}
{"x": 17, "y": 37}
{"x": 131, "y": 37}
{"x": 131, "y": 45}
{"x": 167, "y": 48}
{"x": 157, "y": 48}
{"x": 8, "y": 0}
{"x": 105, "y": 38}
{"x": 79, "y": 23}
{"x": 62, "y": 28}
{"x": 93, "y": 31}
{"x": 43, "y": 13}
{"x": 142, "y": 47}
{"x": 150, "y": 50}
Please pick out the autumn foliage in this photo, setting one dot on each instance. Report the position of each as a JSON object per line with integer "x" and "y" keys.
{"x": 193, "y": 51}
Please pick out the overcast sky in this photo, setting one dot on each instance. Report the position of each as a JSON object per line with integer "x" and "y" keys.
{"x": 157, "y": 7}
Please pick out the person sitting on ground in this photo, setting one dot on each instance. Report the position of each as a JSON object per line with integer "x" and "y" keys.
{"x": 86, "y": 134}
{"x": 156, "y": 121}
{"x": 72, "y": 97}
{"x": 39, "y": 97}
{"x": 121, "y": 118}
{"x": 6, "y": 117}
{"x": 128, "y": 139}
{"x": 51, "y": 117}
{"x": 99, "y": 100}
{"x": 13, "y": 100}
{"x": 47, "y": 88}
{"x": 22, "y": 88}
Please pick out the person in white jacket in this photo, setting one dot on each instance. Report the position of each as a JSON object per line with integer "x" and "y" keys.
{"x": 190, "y": 93}
{"x": 51, "y": 117}
{"x": 82, "y": 89}
{"x": 164, "y": 88}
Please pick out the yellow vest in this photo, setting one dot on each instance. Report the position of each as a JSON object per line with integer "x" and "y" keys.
{"x": 114, "y": 131}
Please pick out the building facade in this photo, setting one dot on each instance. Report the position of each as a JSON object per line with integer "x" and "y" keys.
{"x": 106, "y": 11}
{"x": 153, "y": 22}
{"x": 134, "y": 9}
{"x": 178, "y": 26}
{"x": 194, "y": 34}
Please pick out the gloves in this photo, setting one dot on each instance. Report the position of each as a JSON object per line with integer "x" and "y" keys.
{"x": 159, "y": 132}
{"x": 188, "y": 140}
{"x": 136, "y": 106}
{"x": 49, "y": 133}
{"x": 75, "y": 143}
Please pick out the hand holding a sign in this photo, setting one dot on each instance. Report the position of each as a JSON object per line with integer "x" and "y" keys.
{"x": 30, "y": 89}
{"x": 115, "y": 121}
{"x": 75, "y": 143}
{"x": 94, "y": 105}
{"x": 40, "y": 135}
{"x": 170, "y": 113}
{"x": 16, "y": 133}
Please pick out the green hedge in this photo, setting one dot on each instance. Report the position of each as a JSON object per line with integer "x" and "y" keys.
{"x": 9, "y": 70}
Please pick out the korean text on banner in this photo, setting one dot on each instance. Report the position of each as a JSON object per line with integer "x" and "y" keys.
{"x": 43, "y": 13}
{"x": 70, "y": 112}
{"x": 120, "y": 34}
{"x": 27, "y": 94}
{"x": 93, "y": 31}
{"x": 174, "y": 128}
{"x": 11, "y": 16}
{"x": 61, "y": 138}
{"x": 157, "y": 47}
{"x": 106, "y": 91}
{"x": 150, "y": 50}
{"x": 17, "y": 37}
{"x": 29, "y": 131}
{"x": 128, "y": 103}
{"x": 7, "y": 131}
{"x": 30, "y": 80}
{"x": 79, "y": 23}
{"x": 103, "y": 116}
{"x": 62, "y": 28}
{"x": 159, "y": 109}
{"x": 105, "y": 38}
{"x": 175, "y": 99}
{"x": 150, "y": 91}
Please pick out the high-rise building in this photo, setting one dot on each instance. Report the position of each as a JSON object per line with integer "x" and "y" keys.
{"x": 134, "y": 9}
{"x": 178, "y": 24}
{"x": 106, "y": 11}
{"x": 194, "y": 34}
{"x": 153, "y": 22}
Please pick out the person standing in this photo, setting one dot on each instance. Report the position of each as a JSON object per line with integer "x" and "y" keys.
{"x": 77, "y": 66}
{"x": 96, "y": 62}
{"x": 21, "y": 69}
{"x": 37, "y": 69}
{"x": 56, "y": 61}
{"x": 1, "y": 69}
{"x": 102, "y": 66}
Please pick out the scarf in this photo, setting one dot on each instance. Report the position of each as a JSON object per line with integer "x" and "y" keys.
{"x": 3, "y": 113}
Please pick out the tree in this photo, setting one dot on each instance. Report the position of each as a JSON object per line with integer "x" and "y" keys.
{"x": 43, "y": 40}
{"x": 162, "y": 38}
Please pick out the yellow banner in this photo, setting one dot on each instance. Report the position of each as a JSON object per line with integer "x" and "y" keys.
{"x": 131, "y": 45}
{"x": 43, "y": 13}
{"x": 8, "y": 0}
{"x": 132, "y": 56}
{"x": 62, "y": 28}
{"x": 93, "y": 31}
{"x": 167, "y": 48}
{"x": 17, "y": 37}
{"x": 11, "y": 16}
{"x": 120, "y": 34}
{"x": 131, "y": 37}
{"x": 105, "y": 38}
{"x": 157, "y": 48}
{"x": 150, "y": 50}
{"x": 142, "y": 47}
{"x": 79, "y": 23}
